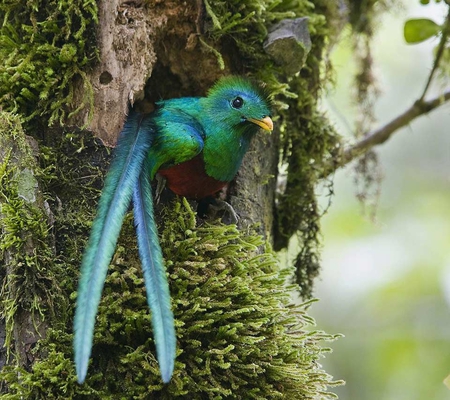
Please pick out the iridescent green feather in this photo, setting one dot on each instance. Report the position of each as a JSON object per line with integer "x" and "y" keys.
{"x": 158, "y": 295}
{"x": 132, "y": 147}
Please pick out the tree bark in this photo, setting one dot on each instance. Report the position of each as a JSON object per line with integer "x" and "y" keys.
{"x": 152, "y": 50}
{"x": 147, "y": 50}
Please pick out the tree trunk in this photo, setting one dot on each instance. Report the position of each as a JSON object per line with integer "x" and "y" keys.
{"x": 151, "y": 50}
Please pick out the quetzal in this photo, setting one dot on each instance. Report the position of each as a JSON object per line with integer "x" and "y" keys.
{"x": 197, "y": 145}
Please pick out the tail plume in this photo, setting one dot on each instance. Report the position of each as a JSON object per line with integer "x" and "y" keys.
{"x": 158, "y": 295}
{"x": 132, "y": 147}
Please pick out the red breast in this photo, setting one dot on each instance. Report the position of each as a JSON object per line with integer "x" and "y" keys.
{"x": 189, "y": 179}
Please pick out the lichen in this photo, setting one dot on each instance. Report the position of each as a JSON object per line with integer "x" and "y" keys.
{"x": 44, "y": 48}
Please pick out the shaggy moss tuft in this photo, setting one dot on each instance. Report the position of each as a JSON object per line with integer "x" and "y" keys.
{"x": 29, "y": 293}
{"x": 44, "y": 46}
{"x": 238, "y": 334}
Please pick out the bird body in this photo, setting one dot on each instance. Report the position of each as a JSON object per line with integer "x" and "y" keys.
{"x": 197, "y": 145}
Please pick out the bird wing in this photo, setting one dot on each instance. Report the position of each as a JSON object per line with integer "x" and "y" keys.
{"x": 132, "y": 147}
{"x": 180, "y": 138}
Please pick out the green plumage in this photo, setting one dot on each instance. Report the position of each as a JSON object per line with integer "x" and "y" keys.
{"x": 154, "y": 273}
{"x": 115, "y": 199}
{"x": 197, "y": 145}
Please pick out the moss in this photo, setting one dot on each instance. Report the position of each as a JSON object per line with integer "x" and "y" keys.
{"x": 52, "y": 377}
{"x": 44, "y": 47}
{"x": 72, "y": 170}
{"x": 43, "y": 282}
{"x": 238, "y": 334}
{"x": 42, "y": 261}
{"x": 307, "y": 138}
{"x": 363, "y": 18}
{"x": 28, "y": 272}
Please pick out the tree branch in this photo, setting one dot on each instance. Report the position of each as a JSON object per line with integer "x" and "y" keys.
{"x": 439, "y": 54}
{"x": 420, "y": 107}
{"x": 379, "y": 136}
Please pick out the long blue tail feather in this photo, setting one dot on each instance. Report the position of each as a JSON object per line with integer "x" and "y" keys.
{"x": 158, "y": 295}
{"x": 132, "y": 147}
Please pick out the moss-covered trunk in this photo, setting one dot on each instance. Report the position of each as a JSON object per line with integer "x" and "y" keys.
{"x": 70, "y": 71}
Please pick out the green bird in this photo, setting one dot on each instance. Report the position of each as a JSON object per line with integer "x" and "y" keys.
{"x": 196, "y": 144}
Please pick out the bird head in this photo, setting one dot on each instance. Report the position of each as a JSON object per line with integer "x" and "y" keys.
{"x": 238, "y": 103}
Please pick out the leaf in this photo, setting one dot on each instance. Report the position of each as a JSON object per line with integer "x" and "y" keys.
{"x": 418, "y": 30}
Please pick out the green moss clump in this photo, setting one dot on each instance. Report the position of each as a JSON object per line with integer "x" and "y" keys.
{"x": 72, "y": 172}
{"x": 42, "y": 282}
{"x": 44, "y": 47}
{"x": 22, "y": 222}
{"x": 52, "y": 377}
{"x": 238, "y": 335}
{"x": 30, "y": 295}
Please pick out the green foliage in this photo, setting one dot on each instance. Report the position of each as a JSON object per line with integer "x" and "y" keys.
{"x": 44, "y": 47}
{"x": 420, "y": 29}
{"x": 306, "y": 135}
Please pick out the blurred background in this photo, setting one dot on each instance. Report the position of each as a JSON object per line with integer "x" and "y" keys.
{"x": 385, "y": 281}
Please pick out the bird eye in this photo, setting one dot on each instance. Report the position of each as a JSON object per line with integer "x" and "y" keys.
{"x": 237, "y": 102}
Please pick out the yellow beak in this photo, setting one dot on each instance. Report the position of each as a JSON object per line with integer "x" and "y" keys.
{"x": 266, "y": 123}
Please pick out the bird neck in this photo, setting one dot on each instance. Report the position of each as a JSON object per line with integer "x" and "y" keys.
{"x": 225, "y": 147}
